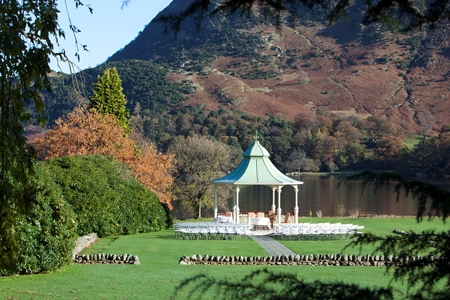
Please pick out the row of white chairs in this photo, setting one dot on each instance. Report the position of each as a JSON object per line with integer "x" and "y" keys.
{"x": 318, "y": 231}
{"x": 211, "y": 230}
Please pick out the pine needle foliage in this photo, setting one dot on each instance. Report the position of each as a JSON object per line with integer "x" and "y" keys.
{"x": 267, "y": 284}
{"x": 428, "y": 276}
{"x": 108, "y": 97}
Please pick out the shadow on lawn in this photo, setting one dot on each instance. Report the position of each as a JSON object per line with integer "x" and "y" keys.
{"x": 167, "y": 237}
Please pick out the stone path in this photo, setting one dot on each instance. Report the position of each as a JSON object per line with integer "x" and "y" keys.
{"x": 272, "y": 246}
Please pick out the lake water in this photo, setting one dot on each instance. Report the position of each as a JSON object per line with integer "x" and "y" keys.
{"x": 321, "y": 193}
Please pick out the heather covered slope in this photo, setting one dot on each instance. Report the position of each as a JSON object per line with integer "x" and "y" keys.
{"x": 258, "y": 68}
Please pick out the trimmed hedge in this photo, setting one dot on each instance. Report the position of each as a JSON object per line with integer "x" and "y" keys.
{"x": 106, "y": 198}
{"x": 75, "y": 196}
{"x": 47, "y": 234}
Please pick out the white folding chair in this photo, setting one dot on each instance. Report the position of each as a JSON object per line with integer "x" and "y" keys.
{"x": 222, "y": 229}
{"x": 240, "y": 231}
{"x": 295, "y": 230}
{"x": 248, "y": 230}
{"x": 325, "y": 231}
{"x": 286, "y": 232}
{"x": 179, "y": 231}
{"x": 203, "y": 231}
{"x": 193, "y": 231}
{"x": 358, "y": 228}
{"x": 305, "y": 232}
{"x": 232, "y": 230}
{"x": 277, "y": 229}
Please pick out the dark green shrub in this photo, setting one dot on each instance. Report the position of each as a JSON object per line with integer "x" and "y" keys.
{"x": 47, "y": 233}
{"x": 106, "y": 198}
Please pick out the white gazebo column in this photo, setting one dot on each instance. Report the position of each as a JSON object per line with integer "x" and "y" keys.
{"x": 237, "y": 210}
{"x": 273, "y": 198}
{"x": 215, "y": 202}
{"x": 234, "y": 202}
{"x": 296, "y": 205}
{"x": 279, "y": 206}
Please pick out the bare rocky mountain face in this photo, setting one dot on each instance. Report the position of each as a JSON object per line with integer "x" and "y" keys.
{"x": 249, "y": 63}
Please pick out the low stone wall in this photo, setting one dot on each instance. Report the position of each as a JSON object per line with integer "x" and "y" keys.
{"x": 83, "y": 242}
{"x": 103, "y": 258}
{"x": 311, "y": 259}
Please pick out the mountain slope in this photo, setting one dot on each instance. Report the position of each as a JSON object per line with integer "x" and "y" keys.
{"x": 250, "y": 64}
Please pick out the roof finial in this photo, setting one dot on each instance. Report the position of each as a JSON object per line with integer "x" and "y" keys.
{"x": 256, "y": 135}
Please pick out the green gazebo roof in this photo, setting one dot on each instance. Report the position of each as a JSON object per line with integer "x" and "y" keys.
{"x": 256, "y": 169}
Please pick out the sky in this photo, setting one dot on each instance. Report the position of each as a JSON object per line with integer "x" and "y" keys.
{"x": 106, "y": 31}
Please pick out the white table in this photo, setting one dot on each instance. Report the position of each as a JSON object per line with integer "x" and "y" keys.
{"x": 223, "y": 219}
{"x": 260, "y": 222}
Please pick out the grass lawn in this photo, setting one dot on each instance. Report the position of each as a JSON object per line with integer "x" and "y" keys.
{"x": 159, "y": 272}
{"x": 411, "y": 142}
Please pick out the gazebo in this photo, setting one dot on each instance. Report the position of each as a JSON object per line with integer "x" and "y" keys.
{"x": 257, "y": 169}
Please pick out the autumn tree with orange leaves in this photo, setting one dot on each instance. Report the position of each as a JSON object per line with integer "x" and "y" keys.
{"x": 90, "y": 132}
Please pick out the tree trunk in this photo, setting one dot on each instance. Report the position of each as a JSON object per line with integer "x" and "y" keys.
{"x": 197, "y": 210}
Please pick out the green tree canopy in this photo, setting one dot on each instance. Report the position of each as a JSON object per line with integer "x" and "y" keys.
{"x": 26, "y": 31}
{"x": 198, "y": 160}
{"x": 108, "y": 97}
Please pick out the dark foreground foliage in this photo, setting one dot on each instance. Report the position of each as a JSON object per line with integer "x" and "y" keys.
{"x": 433, "y": 201}
{"x": 424, "y": 280}
{"x": 428, "y": 273}
{"x": 265, "y": 284}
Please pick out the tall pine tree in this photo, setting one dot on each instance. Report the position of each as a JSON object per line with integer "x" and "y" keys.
{"x": 108, "y": 97}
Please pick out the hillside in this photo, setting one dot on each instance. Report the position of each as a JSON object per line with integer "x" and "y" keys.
{"x": 250, "y": 64}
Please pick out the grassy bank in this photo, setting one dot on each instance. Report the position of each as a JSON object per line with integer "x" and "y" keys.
{"x": 159, "y": 272}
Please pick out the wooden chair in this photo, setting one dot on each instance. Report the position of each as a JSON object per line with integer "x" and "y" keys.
{"x": 260, "y": 215}
{"x": 249, "y": 216}
{"x": 230, "y": 215}
{"x": 287, "y": 217}
{"x": 271, "y": 214}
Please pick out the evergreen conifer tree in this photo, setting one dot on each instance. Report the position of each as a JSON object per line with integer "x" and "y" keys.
{"x": 108, "y": 97}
